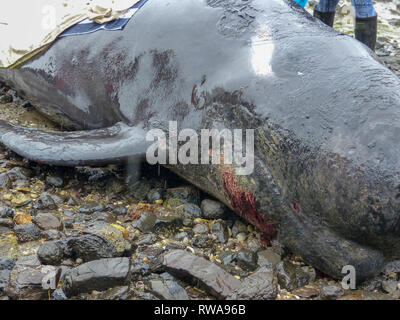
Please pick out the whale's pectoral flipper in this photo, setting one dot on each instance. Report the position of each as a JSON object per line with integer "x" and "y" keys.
{"x": 75, "y": 148}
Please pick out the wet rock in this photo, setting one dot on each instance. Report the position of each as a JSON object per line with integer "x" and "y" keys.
{"x": 247, "y": 260}
{"x": 21, "y": 218}
{"x": 212, "y": 210}
{"x": 139, "y": 268}
{"x": 307, "y": 292}
{"x": 55, "y": 181}
{"x": 373, "y": 284}
{"x": 90, "y": 207}
{"x": 48, "y": 221}
{"x": 331, "y": 292}
{"x": 238, "y": 227}
{"x": 187, "y": 194}
{"x": 200, "y": 228}
{"x": 152, "y": 221}
{"x": 7, "y": 223}
{"x": 17, "y": 176}
{"x": 117, "y": 293}
{"x": 6, "y": 98}
{"x": 227, "y": 257}
{"x": 190, "y": 268}
{"x": 27, "y": 282}
{"x": 6, "y": 212}
{"x": 167, "y": 288}
{"x": 201, "y": 241}
{"x": 268, "y": 257}
{"x": 390, "y": 286}
{"x": 4, "y": 276}
{"x": 50, "y": 253}
{"x": 59, "y": 295}
{"x": 90, "y": 247}
{"x": 365, "y": 295}
{"x": 52, "y": 234}
{"x": 192, "y": 210}
{"x": 141, "y": 188}
{"x": 291, "y": 277}
{"x": 96, "y": 275}
{"x": 115, "y": 186}
{"x": 155, "y": 195}
{"x": 220, "y": 231}
{"x": 69, "y": 224}
{"x": 6, "y": 264}
{"x": 120, "y": 211}
{"x": 261, "y": 285}
{"x": 241, "y": 237}
{"x": 148, "y": 259}
{"x": 5, "y": 181}
{"x": 392, "y": 267}
{"x": 254, "y": 244}
{"x": 312, "y": 273}
{"x": 45, "y": 201}
{"x": 184, "y": 236}
{"x": 30, "y": 260}
{"x": 27, "y": 232}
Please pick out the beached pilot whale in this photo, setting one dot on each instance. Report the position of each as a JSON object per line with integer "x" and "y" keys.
{"x": 326, "y": 116}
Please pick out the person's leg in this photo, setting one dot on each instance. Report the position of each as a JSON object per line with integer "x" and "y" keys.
{"x": 325, "y": 11}
{"x": 365, "y": 29}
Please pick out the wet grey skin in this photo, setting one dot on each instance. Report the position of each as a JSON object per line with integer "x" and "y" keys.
{"x": 326, "y": 116}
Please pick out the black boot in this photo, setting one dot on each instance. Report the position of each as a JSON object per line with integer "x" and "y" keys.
{"x": 326, "y": 17}
{"x": 365, "y": 31}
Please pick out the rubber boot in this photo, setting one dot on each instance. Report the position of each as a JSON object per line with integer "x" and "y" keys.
{"x": 326, "y": 17}
{"x": 365, "y": 31}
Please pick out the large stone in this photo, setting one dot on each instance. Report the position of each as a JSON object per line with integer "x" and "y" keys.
{"x": 90, "y": 247}
{"x": 261, "y": 285}
{"x": 27, "y": 282}
{"x": 195, "y": 269}
{"x": 100, "y": 241}
{"x": 96, "y": 275}
{"x": 50, "y": 253}
{"x": 48, "y": 221}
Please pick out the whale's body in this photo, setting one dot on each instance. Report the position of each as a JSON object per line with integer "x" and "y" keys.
{"x": 326, "y": 116}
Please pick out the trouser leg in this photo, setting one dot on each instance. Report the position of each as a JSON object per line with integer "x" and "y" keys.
{"x": 325, "y": 11}
{"x": 366, "y": 23}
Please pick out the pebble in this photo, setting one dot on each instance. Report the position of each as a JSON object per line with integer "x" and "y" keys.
{"x": 212, "y": 210}
{"x": 48, "y": 221}
{"x": 27, "y": 232}
{"x": 331, "y": 292}
{"x": 247, "y": 260}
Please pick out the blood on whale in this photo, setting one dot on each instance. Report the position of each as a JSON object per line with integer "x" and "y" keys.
{"x": 244, "y": 203}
